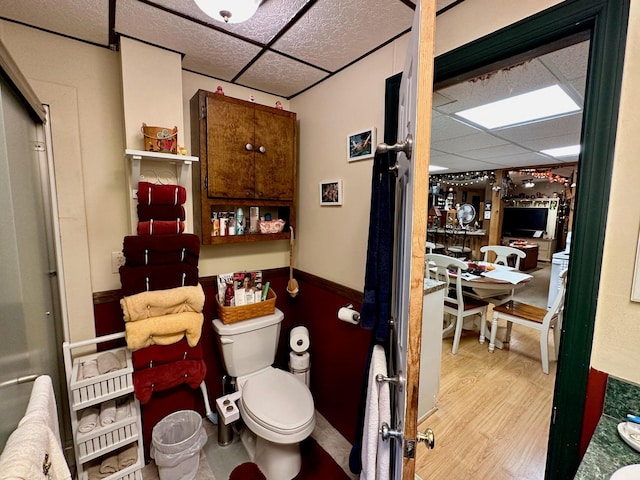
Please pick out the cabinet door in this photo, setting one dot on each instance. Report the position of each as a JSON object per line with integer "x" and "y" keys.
{"x": 230, "y": 165}
{"x": 275, "y": 167}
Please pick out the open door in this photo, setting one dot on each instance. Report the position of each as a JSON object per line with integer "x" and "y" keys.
{"x": 414, "y": 133}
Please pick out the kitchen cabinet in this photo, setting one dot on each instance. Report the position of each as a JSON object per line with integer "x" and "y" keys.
{"x": 247, "y": 157}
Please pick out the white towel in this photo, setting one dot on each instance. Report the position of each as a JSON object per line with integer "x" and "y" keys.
{"x": 384, "y": 414}
{"x": 89, "y": 418}
{"x": 372, "y": 420}
{"x": 33, "y": 452}
{"x": 107, "y": 412}
{"x": 123, "y": 410}
{"x": 42, "y": 405}
{"x": 90, "y": 369}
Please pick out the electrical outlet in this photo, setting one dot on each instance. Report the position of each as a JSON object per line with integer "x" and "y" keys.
{"x": 117, "y": 261}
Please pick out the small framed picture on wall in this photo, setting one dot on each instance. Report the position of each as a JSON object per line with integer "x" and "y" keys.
{"x": 331, "y": 192}
{"x": 361, "y": 144}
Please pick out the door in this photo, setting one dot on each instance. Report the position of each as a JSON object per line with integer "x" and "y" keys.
{"x": 414, "y": 123}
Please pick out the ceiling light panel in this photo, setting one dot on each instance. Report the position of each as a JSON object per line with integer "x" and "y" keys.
{"x": 529, "y": 107}
{"x": 87, "y": 20}
{"x": 568, "y": 151}
{"x": 271, "y": 17}
{"x": 166, "y": 30}
{"x": 264, "y": 75}
{"x": 351, "y": 30}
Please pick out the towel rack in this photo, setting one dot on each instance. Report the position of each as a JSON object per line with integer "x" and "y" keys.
{"x": 19, "y": 380}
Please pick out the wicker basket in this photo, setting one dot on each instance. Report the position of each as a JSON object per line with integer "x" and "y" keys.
{"x": 237, "y": 314}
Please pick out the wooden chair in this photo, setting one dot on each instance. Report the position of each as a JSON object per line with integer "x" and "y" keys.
{"x": 534, "y": 317}
{"x": 455, "y": 303}
{"x": 457, "y": 244}
{"x": 502, "y": 252}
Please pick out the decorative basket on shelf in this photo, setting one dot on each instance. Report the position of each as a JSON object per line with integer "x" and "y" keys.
{"x": 245, "y": 312}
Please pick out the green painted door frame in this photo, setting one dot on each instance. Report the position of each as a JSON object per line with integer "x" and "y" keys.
{"x": 604, "y": 23}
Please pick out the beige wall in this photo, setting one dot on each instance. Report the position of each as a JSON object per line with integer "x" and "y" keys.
{"x": 82, "y": 83}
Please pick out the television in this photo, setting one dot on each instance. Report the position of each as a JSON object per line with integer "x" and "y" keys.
{"x": 524, "y": 222}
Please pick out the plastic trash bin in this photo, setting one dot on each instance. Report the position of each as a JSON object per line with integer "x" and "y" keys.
{"x": 176, "y": 441}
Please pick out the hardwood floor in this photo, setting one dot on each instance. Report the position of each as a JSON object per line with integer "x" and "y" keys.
{"x": 493, "y": 411}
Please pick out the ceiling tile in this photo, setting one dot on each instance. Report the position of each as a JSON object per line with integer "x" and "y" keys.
{"x": 467, "y": 143}
{"x": 87, "y": 20}
{"x": 527, "y": 135}
{"x": 205, "y": 50}
{"x": 273, "y": 16}
{"x": 493, "y": 153}
{"x": 266, "y": 75}
{"x": 336, "y": 32}
{"x": 444, "y": 127}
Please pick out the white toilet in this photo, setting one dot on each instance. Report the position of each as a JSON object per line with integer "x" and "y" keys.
{"x": 275, "y": 406}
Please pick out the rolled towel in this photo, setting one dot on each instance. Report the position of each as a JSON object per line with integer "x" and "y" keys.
{"x": 107, "y": 362}
{"x": 159, "y": 277}
{"x": 109, "y": 464}
{"x": 161, "y": 250}
{"x": 88, "y": 420}
{"x": 162, "y": 302}
{"x": 93, "y": 473}
{"x": 160, "y": 212}
{"x": 128, "y": 456}
{"x": 152, "y": 194}
{"x": 122, "y": 357}
{"x": 167, "y": 376}
{"x": 164, "y": 330}
{"x": 123, "y": 410}
{"x": 107, "y": 412}
{"x": 90, "y": 369}
{"x": 155, "y": 355}
{"x": 160, "y": 227}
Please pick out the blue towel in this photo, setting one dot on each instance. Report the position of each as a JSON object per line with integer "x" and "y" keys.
{"x": 376, "y": 305}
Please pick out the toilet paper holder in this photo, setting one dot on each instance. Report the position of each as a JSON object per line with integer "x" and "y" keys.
{"x": 348, "y": 314}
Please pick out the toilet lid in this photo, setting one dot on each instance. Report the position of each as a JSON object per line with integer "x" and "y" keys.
{"x": 277, "y": 399}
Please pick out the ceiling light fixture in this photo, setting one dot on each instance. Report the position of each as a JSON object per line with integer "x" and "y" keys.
{"x": 528, "y": 184}
{"x": 529, "y": 107}
{"x": 229, "y": 11}
{"x": 562, "y": 151}
{"x": 436, "y": 168}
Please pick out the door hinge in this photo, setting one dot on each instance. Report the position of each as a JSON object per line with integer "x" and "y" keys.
{"x": 409, "y": 448}
{"x": 204, "y": 112}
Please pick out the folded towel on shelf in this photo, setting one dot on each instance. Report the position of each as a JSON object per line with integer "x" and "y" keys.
{"x": 109, "y": 464}
{"x": 93, "y": 473}
{"x": 160, "y": 227}
{"x": 33, "y": 452}
{"x": 128, "y": 456}
{"x": 150, "y": 250}
{"x": 158, "y": 277}
{"x": 107, "y": 412}
{"x": 155, "y": 355}
{"x": 89, "y": 418}
{"x": 152, "y": 194}
{"x": 90, "y": 369}
{"x": 160, "y": 212}
{"x": 162, "y": 302}
{"x": 107, "y": 362}
{"x": 164, "y": 330}
{"x": 167, "y": 376}
{"x": 121, "y": 355}
{"x": 123, "y": 409}
{"x": 42, "y": 405}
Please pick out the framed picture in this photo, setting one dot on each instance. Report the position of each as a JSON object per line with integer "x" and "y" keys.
{"x": 331, "y": 192}
{"x": 361, "y": 144}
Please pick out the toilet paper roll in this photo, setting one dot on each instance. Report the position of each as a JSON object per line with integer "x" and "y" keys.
{"x": 347, "y": 314}
{"x": 299, "y": 361}
{"x": 299, "y": 339}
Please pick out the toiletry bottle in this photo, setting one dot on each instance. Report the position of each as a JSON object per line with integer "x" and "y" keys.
{"x": 239, "y": 221}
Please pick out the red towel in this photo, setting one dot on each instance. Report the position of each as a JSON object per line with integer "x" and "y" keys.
{"x": 157, "y": 277}
{"x": 160, "y": 227}
{"x": 160, "y": 212}
{"x": 151, "y": 194}
{"x": 247, "y": 471}
{"x": 160, "y": 250}
{"x": 156, "y": 355}
{"x": 164, "y": 377}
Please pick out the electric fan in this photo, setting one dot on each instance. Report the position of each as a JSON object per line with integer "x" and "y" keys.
{"x": 465, "y": 214}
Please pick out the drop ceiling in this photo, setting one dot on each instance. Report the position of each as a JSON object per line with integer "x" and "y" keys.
{"x": 289, "y": 46}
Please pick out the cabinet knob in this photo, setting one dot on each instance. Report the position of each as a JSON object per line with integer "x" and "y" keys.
{"x": 248, "y": 147}
{"x": 248, "y": 193}
{"x": 262, "y": 149}
{"x": 260, "y": 194}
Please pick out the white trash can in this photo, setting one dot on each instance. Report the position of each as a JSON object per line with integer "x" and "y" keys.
{"x": 176, "y": 441}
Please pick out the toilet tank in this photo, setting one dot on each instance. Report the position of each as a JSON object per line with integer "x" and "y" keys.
{"x": 249, "y": 345}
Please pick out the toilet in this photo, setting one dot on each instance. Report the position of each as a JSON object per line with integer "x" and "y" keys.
{"x": 275, "y": 406}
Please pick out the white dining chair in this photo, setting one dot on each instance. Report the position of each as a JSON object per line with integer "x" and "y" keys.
{"x": 430, "y": 247}
{"x": 502, "y": 253}
{"x": 533, "y": 317}
{"x": 455, "y": 303}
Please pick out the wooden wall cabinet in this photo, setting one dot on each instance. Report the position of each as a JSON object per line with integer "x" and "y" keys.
{"x": 248, "y": 159}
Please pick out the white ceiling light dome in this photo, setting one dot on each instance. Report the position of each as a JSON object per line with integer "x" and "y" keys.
{"x": 229, "y": 11}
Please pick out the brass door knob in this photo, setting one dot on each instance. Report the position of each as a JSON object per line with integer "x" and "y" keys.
{"x": 427, "y": 437}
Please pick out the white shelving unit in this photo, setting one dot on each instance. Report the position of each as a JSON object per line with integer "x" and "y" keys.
{"x": 91, "y": 446}
{"x": 155, "y": 168}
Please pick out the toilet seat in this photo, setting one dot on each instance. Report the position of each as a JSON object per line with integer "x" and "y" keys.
{"x": 275, "y": 401}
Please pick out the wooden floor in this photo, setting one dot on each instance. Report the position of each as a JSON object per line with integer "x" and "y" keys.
{"x": 493, "y": 411}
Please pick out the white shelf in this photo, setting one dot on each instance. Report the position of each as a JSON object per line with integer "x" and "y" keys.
{"x": 135, "y": 157}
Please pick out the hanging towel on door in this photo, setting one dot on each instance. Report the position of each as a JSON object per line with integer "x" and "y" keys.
{"x": 376, "y": 305}
{"x": 375, "y": 452}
